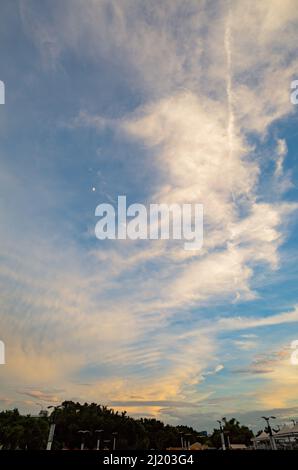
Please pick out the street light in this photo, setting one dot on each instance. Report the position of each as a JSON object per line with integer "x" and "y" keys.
{"x": 52, "y": 426}
{"x": 271, "y": 438}
{"x": 83, "y": 432}
{"x": 98, "y": 431}
{"x": 222, "y": 436}
{"x": 181, "y": 438}
{"x": 106, "y": 443}
{"x": 228, "y": 439}
{"x": 114, "y": 434}
{"x": 188, "y": 440}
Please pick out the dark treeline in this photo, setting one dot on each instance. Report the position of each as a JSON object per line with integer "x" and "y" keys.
{"x": 28, "y": 432}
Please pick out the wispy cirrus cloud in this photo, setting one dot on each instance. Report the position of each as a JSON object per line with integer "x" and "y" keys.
{"x": 142, "y": 319}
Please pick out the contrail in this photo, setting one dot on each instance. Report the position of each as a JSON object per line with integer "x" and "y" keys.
{"x": 231, "y": 118}
{"x": 229, "y": 92}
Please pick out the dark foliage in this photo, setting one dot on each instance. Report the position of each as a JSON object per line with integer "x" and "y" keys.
{"x": 27, "y": 432}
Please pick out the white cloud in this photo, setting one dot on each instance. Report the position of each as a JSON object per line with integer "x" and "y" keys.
{"x": 243, "y": 323}
{"x": 75, "y": 316}
{"x": 245, "y": 345}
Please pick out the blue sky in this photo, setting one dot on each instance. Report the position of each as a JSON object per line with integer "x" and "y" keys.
{"x": 176, "y": 102}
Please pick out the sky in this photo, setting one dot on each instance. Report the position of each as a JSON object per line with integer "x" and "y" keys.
{"x": 164, "y": 102}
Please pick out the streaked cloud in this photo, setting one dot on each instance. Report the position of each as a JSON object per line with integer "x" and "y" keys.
{"x": 194, "y": 121}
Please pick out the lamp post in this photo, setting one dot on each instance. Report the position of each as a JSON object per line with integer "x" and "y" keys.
{"x": 83, "y": 432}
{"x": 228, "y": 439}
{"x": 222, "y": 436}
{"x": 271, "y": 437}
{"x": 188, "y": 436}
{"x": 181, "y": 439}
{"x": 106, "y": 443}
{"x": 114, "y": 434}
{"x": 52, "y": 426}
{"x": 98, "y": 432}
